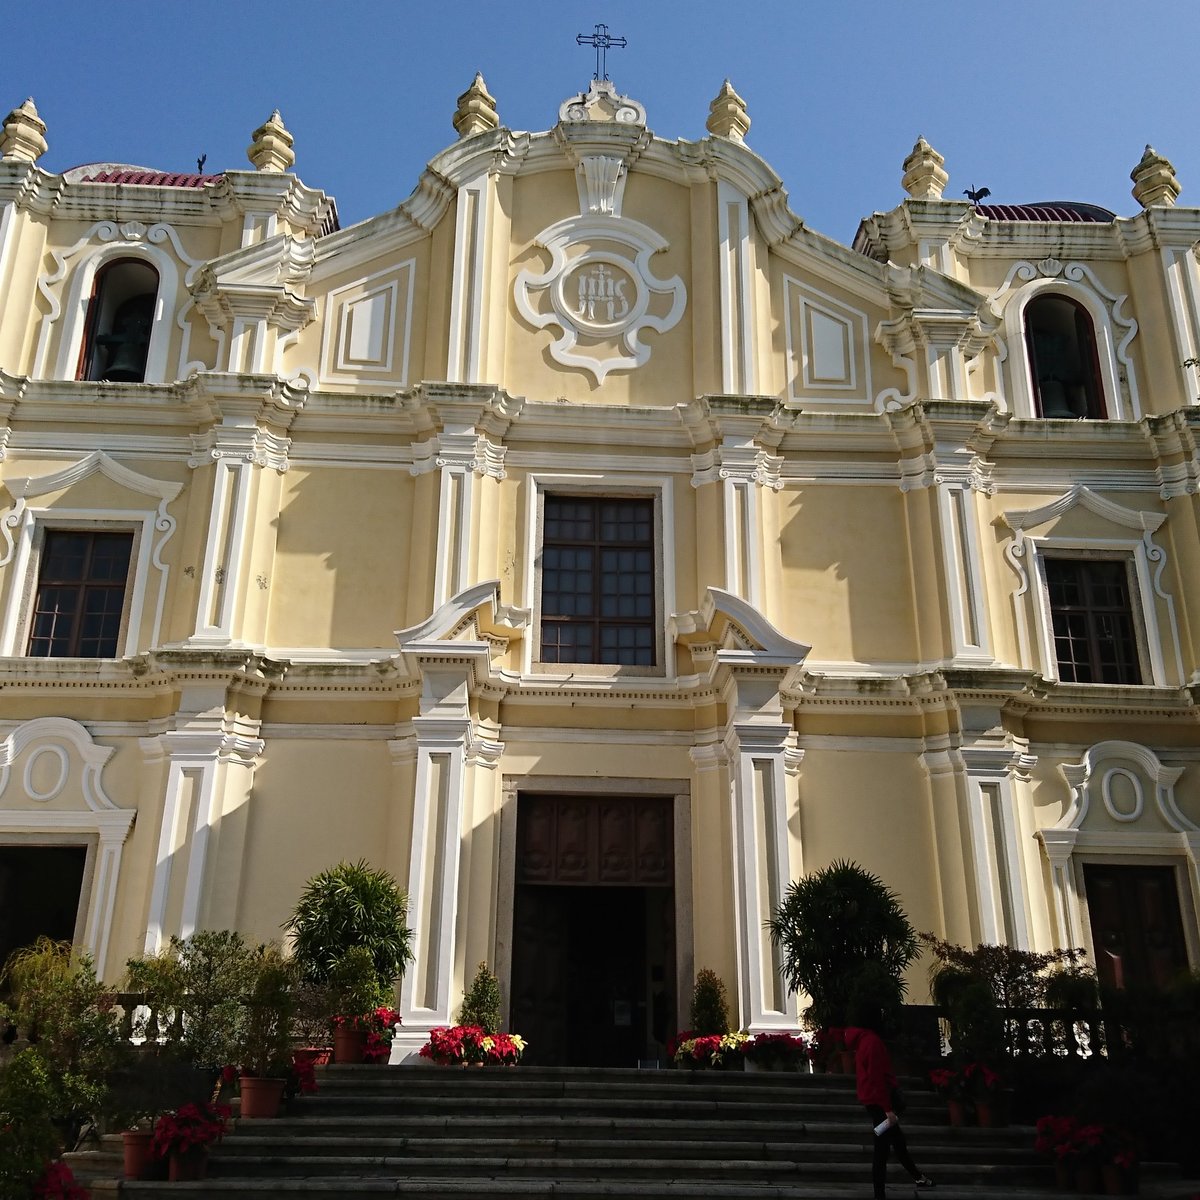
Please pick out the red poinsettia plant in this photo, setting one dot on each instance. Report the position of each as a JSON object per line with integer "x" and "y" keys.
{"x": 189, "y": 1126}
{"x": 948, "y": 1082}
{"x": 980, "y": 1080}
{"x": 786, "y": 1049}
{"x": 455, "y": 1045}
{"x": 58, "y": 1182}
{"x": 379, "y": 1025}
{"x": 1068, "y": 1139}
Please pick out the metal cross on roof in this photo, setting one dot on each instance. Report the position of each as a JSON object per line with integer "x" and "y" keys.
{"x": 603, "y": 41}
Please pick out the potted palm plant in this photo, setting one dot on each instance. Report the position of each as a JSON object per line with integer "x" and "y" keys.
{"x": 350, "y": 931}
{"x": 835, "y": 925}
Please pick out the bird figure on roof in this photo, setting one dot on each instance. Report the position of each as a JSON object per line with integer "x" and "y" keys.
{"x": 974, "y": 196}
{"x": 200, "y": 164}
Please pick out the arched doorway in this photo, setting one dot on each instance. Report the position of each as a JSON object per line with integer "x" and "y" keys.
{"x": 593, "y": 961}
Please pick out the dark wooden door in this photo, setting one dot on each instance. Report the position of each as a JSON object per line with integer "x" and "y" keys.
{"x": 1137, "y": 930}
{"x": 588, "y": 970}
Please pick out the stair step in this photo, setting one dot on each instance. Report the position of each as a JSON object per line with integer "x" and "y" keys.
{"x": 432, "y": 1133}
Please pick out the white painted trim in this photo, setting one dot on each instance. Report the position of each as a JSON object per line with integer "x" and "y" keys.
{"x": 195, "y": 755}
{"x": 467, "y": 300}
{"x": 737, "y": 295}
{"x": 1064, "y": 842}
{"x": 80, "y": 290}
{"x": 331, "y": 364}
{"x": 966, "y": 589}
{"x": 224, "y": 550}
{"x": 856, "y": 392}
{"x": 1144, "y": 552}
{"x": 760, "y": 869}
{"x": 643, "y": 243}
{"x": 99, "y": 818}
{"x": 1075, "y": 281}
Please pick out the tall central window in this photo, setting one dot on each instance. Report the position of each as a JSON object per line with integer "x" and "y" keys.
{"x": 598, "y": 581}
{"x": 1095, "y": 639}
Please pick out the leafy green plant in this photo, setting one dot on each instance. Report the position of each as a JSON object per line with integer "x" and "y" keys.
{"x": 980, "y": 988}
{"x": 830, "y": 925}
{"x": 197, "y": 985}
{"x": 72, "y": 1019}
{"x": 263, "y": 1034}
{"x": 481, "y": 1004}
{"x": 709, "y": 1013}
{"x": 354, "y": 984}
{"x": 30, "y": 1102}
{"x": 351, "y": 905}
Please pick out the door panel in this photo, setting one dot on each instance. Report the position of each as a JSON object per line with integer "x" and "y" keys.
{"x": 1137, "y": 929}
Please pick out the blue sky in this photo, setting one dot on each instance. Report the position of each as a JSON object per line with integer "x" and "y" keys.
{"x": 1037, "y": 101}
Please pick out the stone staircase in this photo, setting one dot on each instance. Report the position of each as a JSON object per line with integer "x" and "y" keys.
{"x": 433, "y": 1132}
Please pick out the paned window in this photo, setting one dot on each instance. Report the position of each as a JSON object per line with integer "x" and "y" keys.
{"x": 598, "y": 581}
{"x": 80, "y": 596}
{"x": 1095, "y": 635}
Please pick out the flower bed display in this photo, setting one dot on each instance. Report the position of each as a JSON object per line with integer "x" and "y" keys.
{"x": 777, "y": 1051}
{"x": 710, "y": 1051}
{"x": 464, "y": 1045}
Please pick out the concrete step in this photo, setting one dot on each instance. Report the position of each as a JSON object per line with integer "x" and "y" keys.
{"x": 529, "y": 1189}
{"x": 799, "y": 1149}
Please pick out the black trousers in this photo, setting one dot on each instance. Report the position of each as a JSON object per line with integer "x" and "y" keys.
{"x": 892, "y": 1139}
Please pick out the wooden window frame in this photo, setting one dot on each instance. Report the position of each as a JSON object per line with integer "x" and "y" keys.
{"x": 1093, "y": 615}
{"x": 596, "y": 621}
{"x": 36, "y": 581}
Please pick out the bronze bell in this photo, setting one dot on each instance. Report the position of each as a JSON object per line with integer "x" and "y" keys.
{"x": 128, "y": 343}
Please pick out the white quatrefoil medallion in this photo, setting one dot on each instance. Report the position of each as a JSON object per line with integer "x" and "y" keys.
{"x": 600, "y": 292}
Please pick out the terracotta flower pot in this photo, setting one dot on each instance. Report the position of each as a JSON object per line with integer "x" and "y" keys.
{"x": 138, "y": 1148}
{"x": 188, "y": 1166}
{"x": 991, "y": 1111}
{"x": 1119, "y": 1181}
{"x": 957, "y": 1112}
{"x": 1062, "y": 1176}
{"x": 1087, "y": 1177}
{"x": 349, "y": 1045}
{"x": 261, "y": 1097}
{"x": 315, "y": 1056}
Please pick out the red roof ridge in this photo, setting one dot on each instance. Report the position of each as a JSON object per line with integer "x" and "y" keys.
{"x": 152, "y": 178}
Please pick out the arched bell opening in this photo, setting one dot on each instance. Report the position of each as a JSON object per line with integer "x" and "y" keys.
{"x": 1064, "y": 367}
{"x": 120, "y": 320}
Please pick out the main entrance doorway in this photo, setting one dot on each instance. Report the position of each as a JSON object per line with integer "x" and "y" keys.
{"x": 39, "y": 894}
{"x": 593, "y": 962}
{"x": 1137, "y": 930}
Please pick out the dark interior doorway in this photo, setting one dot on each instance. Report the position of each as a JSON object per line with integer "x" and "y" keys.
{"x": 1137, "y": 928}
{"x": 39, "y": 893}
{"x": 593, "y": 930}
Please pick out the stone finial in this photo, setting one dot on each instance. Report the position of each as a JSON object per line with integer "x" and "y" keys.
{"x": 476, "y": 111}
{"x": 1154, "y": 182}
{"x": 24, "y": 134}
{"x": 727, "y": 115}
{"x": 924, "y": 177}
{"x": 271, "y": 147}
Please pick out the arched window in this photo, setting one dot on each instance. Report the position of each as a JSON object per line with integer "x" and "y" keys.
{"x": 120, "y": 318}
{"x": 1064, "y": 369}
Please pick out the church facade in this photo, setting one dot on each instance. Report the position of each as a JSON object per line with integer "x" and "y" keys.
{"x": 598, "y": 548}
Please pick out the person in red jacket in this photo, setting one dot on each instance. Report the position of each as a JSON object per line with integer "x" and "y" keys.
{"x": 877, "y": 1090}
